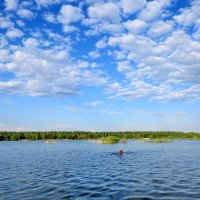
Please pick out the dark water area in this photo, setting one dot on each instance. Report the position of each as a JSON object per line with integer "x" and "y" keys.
{"x": 86, "y": 170}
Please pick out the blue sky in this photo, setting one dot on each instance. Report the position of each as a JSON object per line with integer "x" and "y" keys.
{"x": 100, "y": 65}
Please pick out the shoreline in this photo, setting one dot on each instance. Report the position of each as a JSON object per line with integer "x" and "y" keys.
{"x": 105, "y": 137}
{"x": 98, "y": 141}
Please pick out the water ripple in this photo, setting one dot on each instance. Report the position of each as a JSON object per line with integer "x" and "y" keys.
{"x": 78, "y": 170}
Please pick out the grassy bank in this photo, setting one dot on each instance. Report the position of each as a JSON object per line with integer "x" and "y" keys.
{"x": 158, "y": 140}
{"x": 109, "y": 140}
{"x": 81, "y": 135}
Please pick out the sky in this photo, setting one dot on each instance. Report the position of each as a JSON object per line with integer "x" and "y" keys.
{"x": 100, "y": 65}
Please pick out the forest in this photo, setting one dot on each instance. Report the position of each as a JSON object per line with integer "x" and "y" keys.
{"x": 84, "y": 135}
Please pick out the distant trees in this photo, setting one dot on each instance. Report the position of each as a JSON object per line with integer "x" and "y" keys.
{"x": 82, "y": 135}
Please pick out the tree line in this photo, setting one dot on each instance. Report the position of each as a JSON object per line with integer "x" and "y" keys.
{"x": 84, "y": 135}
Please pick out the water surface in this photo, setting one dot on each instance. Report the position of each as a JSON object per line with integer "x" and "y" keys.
{"x": 87, "y": 170}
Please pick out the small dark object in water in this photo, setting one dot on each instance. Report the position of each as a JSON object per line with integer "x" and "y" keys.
{"x": 121, "y": 152}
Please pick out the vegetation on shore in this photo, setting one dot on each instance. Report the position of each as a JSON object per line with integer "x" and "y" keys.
{"x": 158, "y": 140}
{"x": 83, "y": 135}
{"x": 109, "y": 140}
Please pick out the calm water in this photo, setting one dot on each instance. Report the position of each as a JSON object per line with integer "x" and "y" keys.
{"x": 85, "y": 170}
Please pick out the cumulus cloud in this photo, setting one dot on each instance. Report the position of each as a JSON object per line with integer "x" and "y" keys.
{"x": 137, "y": 89}
{"x": 20, "y": 23}
{"x": 94, "y": 54}
{"x": 25, "y": 13}
{"x": 14, "y": 33}
{"x": 4, "y": 55}
{"x": 135, "y": 26}
{"x": 11, "y": 4}
{"x": 35, "y": 71}
{"x": 162, "y": 67}
{"x": 153, "y": 9}
{"x": 46, "y": 3}
{"x": 157, "y": 56}
{"x": 106, "y": 28}
{"x": 189, "y": 16}
{"x": 69, "y": 14}
{"x": 160, "y": 28}
{"x": 138, "y": 46}
{"x": 132, "y": 6}
{"x": 50, "y": 17}
{"x": 107, "y": 11}
{"x": 101, "y": 44}
{"x": 50, "y": 72}
{"x": 124, "y": 49}
{"x": 124, "y": 66}
{"x": 69, "y": 29}
{"x": 3, "y": 41}
{"x": 5, "y": 23}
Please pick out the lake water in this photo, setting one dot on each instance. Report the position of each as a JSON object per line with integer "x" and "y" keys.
{"x": 87, "y": 170}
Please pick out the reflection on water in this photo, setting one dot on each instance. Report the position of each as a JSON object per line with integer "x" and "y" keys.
{"x": 84, "y": 170}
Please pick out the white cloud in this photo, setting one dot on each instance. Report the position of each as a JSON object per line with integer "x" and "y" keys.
{"x": 93, "y": 65}
{"x": 69, "y": 14}
{"x": 10, "y": 86}
{"x": 20, "y": 23}
{"x": 91, "y": 33}
{"x": 26, "y": 14}
{"x": 14, "y": 33}
{"x": 110, "y": 28}
{"x": 3, "y": 41}
{"x": 50, "y": 17}
{"x": 63, "y": 40}
{"x": 119, "y": 55}
{"x": 153, "y": 9}
{"x": 135, "y": 26}
{"x": 138, "y": 46}
{"x": 137, "y": 89}
{"x": 196, "y": 35}
{"x": 101, "y": 44}
{"x": 11, "y": 4}
{"x": 132, "y": 6}
{"x": 157, "y": 58}
{"x": 50, "y": 72}
{"x": 190, "y": 94}
{"x": 105, "y": 27}
{"x": 79, "y": 110}
{"x": 69, "y": 29}
{"x": 95, "y": 1}
{"x": 124, "y": 66}
{"x": 5, "y": 23}
{"x": 164, "y": 70}
{"x": 160, "y": 28}
{"x": 107, "y": 11}
{"x": 4, "y": 55}
{"x": 35, "y": 69}
{"x": 146, "y": 112}
{"x": 189, "y": 16}
{"x": 27, "y": 4}
{"x": 46, "y": 3}
{"x": 93, "y": 103}
{"x": 94, "y": 54}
